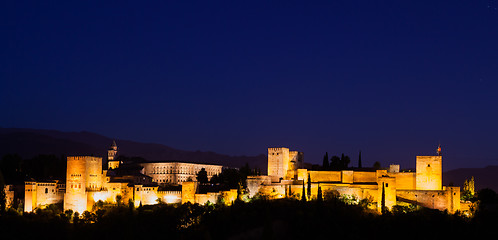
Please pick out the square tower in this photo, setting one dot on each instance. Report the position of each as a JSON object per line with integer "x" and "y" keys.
{"x": 278, "y": 163}
{"x": 429, "y": 173}
{"x": 84, "y": 173}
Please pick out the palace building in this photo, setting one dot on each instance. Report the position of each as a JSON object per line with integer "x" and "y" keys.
{"x": 177, "y": 172}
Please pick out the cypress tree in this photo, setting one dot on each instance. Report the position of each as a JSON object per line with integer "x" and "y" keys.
{"x": 309, "y": 186}
{"x": 326, "y": 164}
{"x": 383, "y": 201}
{"x": 303, "y": 196}
{"x": 319, "y": 196}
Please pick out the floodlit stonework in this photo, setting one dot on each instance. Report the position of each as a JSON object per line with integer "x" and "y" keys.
{"x": 87, "y": 183}
{"x": 429, "y": 172}
{"x": 283, "y": 163}
{"x": 41, "y": 194}
{"x": 178, "y": 172}
{"x": 423, "y": 187}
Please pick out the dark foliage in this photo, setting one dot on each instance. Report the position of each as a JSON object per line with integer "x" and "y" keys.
{"x": 202, "y": 176}
{"x": 232, "y": 178}
{"x": 260, "y": 219}
{"x": 41, "y": 167}
{"x": 339, "y": 163}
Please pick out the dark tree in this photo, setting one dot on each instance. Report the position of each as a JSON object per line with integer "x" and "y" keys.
{"x": 229, "y": 178}
{"x": 319, "y": 196}
{"x": 202, "y": 176}
{"x": 326, "y": 164}
{"x": 376, "y": 165}
{"x": 359, "y": 160}
{"x": 345, "y": 160}
{"x": 487, "y": 196}
{"x": 335, "y": 163}
{"x": 245, "y": 170}
{"x": 383, "y": 200}
{"x": 339, "y": 163}
{"x": 12, "y": 169}
{"x": 303, "y": 196}
{"x": 215, "y": 179}
{"x": 309, "y": 186}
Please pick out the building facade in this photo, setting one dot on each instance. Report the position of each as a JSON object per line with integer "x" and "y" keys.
{"x": 177, "y": 172}
{"x": 42, "y": 194}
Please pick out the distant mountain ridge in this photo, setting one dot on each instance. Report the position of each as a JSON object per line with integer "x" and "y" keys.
{"x": 486, "y": 177}
{"x": 31, "y": 142}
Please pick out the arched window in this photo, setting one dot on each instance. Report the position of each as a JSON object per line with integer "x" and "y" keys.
{"x": 46, "y": 190}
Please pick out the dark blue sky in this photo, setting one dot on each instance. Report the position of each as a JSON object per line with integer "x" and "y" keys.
{"x": 392, "y": 78}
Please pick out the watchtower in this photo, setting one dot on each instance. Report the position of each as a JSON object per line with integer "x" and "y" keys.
{"x": 84, "y": 173}
{"x": 278, "y": 163}
{"x": 429, "y": 175}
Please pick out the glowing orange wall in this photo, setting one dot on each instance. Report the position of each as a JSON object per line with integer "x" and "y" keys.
{"x": 429, "y": 173}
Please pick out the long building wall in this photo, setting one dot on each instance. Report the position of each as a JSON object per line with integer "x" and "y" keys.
{"x": 446, "y": 199}
{"x": 177, "y": 172}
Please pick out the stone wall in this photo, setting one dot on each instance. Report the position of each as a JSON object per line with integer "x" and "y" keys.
{"x": 404, "y": 180}
{"x": 364, "y": 177}
{"x": 255, "y": 182}
{"x": 449, "y": 198}
{"x": 170, "y": 196}
{"x": 177, "y": 172}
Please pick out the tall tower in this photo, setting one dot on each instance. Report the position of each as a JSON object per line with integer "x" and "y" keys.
{"x": 84, "y": 173}
{"x": 278, "y": 163}
{"x": 429, "y": 175}
{"x": 112, "y": 163}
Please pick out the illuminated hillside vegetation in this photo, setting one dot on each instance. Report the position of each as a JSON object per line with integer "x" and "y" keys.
{"x": 260, "y": 219}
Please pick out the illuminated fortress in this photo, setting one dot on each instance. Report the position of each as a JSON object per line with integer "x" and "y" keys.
{"x": 87, "y": 183}
{"x": 287, "y": 178}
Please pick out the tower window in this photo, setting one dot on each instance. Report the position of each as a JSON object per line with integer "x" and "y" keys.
{"x": 428, "y": 165}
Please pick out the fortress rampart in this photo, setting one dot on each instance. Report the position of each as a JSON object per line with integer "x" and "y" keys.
{"x": 87, "y": 183}
{"x": 423, "y": 187}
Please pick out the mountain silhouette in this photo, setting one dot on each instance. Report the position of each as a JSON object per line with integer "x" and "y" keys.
{"x": 486, "y": 177}
{"x": 31, "y": 142}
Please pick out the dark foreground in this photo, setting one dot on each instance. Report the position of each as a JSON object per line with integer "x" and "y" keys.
{"x": 280, "y": 219}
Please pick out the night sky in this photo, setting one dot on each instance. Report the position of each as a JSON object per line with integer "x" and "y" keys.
{"x": 392, "y": 78}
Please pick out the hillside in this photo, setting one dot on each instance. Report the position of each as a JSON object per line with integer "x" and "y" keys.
{"x": 31, "y": 142}
{"x": 486, "y": 177}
